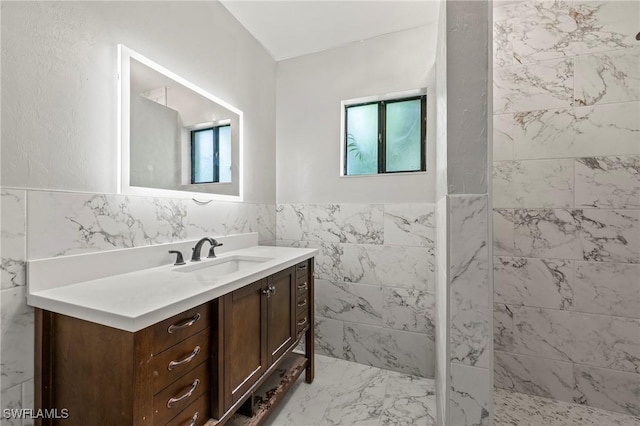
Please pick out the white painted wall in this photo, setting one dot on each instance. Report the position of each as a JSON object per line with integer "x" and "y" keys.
{"x": 59, "y": 85}
{"x": 309, "y": 91}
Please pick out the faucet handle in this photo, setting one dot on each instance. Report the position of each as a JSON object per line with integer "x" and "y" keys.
{"x": 212, "y": 252}
{"x": 179, "y": 258}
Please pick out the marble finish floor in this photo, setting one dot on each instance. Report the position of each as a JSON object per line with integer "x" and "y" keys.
{"x": 345, "y": 393}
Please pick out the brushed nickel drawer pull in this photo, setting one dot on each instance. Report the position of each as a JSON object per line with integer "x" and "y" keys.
{"x": 303, "y": 303}
{"x": 185, "y": 360}
{"x": 185, "y": 324}
{"x": 174, "y": 401}
{"x": 303, "y": 286}
{"x": 303, "y": 322}
{"x": 194, "y": 419}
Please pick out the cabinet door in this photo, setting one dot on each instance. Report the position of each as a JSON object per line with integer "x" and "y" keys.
{"x": 281, "y": 310}
{"x": 245, "y": 356}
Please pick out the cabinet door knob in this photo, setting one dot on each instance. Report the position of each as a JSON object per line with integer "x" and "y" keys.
{"x": 185, "y": 360}
{"x": 174, "y": 401}
{"x": 184, "y": 324}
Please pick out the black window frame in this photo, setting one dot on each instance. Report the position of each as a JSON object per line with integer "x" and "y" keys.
{"x": 382, "y": 132}
{"x": 216, "y": 153}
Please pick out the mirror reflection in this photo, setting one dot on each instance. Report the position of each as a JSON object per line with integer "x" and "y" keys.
{"x": 180, "y": 138}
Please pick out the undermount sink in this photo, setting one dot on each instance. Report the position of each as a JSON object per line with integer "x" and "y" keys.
{"x": 222, "y": 266}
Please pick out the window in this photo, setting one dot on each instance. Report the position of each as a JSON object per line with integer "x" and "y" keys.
{"x": 385, "y": 136}
{"x": 211, "y": 155}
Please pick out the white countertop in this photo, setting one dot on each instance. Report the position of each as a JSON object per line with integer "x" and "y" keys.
{"x": 134, "y": 300}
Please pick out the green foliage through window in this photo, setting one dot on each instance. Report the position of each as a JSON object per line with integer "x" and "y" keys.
{"x": 385, "y": 136}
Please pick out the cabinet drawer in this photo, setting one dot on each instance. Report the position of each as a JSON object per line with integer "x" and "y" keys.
{"x": 302, "y": 269}
{"x": 302, "y": 304}
{"x": 177, "y": 328}
{"x": 302, "y": 320}
{"x": 196, "y": 414}
{"x": 302, "y": 288}
{"x": 174, "y": 398}
{"x": 169, "y": 365}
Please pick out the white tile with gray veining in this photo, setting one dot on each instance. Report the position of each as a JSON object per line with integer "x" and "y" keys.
{"x": 219, "y": 218}
{"x": 543, "y": 85}
{"x": 533, "y": 183}
{"x": 577, "y": 132}
{"x": 17, "y": 326}
{"x": 504, "y": 232}
{"x": 390, "y": 266}
{"x": 349, "y": 302}
{"x": 441, "y": 311}
{"x": 266, "y": 222}
{"x": 470, "y": 398}
{"x": 292, "y": 221}
{"x": 28, "y": 400}
{"x": 545, "y": 283}
{"x": 608, "y": 182}
{"x": 14, "y": 238}
{"x": 409, "y": 310}
{"x": 69, "y": 223}
{"x": 517, "y": 409}
{"x": 409, "y": 225}
{"x": 610, "y": 235}
{"x": 346, "y": 223}
{"x": 469, "y": 307}
{"x": 607, "y": 288}
{"x": 329, "y": 337}
{"x": 396, "y": 350}
{"x": 547, "y": 233}
{"x": 536, "y": 31}
{"x": 533, "y": 375}
{"x": 408, "y": 400}
{"x": 503, "y": 136}
{"x": 596, "y": 340}
{"x": 11, "y": 398}
{"x": 608, "y": 389}
{"x": 608, "y": 77}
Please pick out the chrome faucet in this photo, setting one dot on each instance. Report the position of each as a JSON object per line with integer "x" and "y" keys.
{"x": 195, "y": 257}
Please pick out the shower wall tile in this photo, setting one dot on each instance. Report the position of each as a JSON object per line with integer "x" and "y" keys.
{"x": 346, "y": 223}
{"x": 608, "y": 77}
{"x": 17, "y": 327}
{"x": 608, "y": 389}
{"x": 608, "y": 182}
{"x": 547, "y": 233}
{"x": 401, "y": 351}
{"x": 535, "y": 376}
{"x": 503, "y": 232}
{"x": 409, "y": 310}
{"x": 610, "y": 235}
{"x": 545, "y": 283}
{"x": 409, "y": 225}
{"x": 13, "y": 242}
{"x": 607, "y": 288}
{"x": 537, "y": 31}
{"x": 349, "y": 302}
{"x": 596, "y": 340}
{"x": 470, "y": 397}
{"x": 292, "y": 221}
{"x": 469, "y": 307}
{"x": 533, "y": 183}
{"x": 577, "y": 132}
{"x": 503, "y": 136}
{"x": 543, "y": 85}
{"x": 442, "y": 313}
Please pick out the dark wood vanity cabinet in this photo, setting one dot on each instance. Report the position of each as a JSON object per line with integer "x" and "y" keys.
{"x": 195, "y": 368}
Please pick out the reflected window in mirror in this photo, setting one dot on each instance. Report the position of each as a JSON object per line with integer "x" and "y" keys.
{"x": 211, "y": 155}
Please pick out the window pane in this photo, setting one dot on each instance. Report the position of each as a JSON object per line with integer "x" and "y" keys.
{"x": 224, "y": 140}
{"x": 203, "y": 156}
{"x": 403, "y": 136}
{"x": 362, "y": 140}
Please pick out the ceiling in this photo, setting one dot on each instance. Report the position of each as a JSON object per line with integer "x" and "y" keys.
{"x": 289, "y": 28}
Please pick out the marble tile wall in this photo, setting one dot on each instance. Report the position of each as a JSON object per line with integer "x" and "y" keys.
{"x": 40, "y": 224}
{"x": 375, "y": 280}
{"x": 566, "y": 206}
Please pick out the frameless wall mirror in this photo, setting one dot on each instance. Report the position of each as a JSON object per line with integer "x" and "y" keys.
{"x": 176, "y": 139}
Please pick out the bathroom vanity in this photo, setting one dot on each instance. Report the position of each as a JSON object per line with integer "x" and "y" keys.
{"x": 143, "y": 364}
